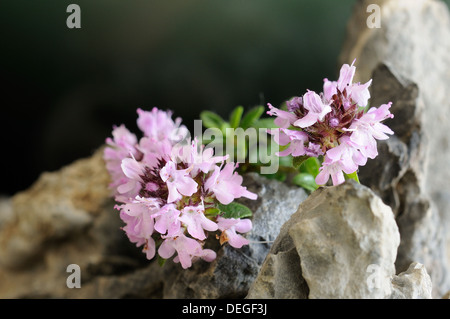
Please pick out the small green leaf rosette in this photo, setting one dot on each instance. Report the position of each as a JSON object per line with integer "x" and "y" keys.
{"x": 308, "y": 168}
{"x": 235, "y": 210}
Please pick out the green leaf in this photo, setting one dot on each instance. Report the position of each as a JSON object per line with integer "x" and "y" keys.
{"x": 279, "y": 176}
{"x": 211, "y": 119}
{"x": 298, "y": 160}
{"x": 310, "y": 166}
{"x": 265, "y": 123}
{"x": 252, "y": 116}
{"x": 253, "y": 152}
{"x": 353, "y": 176}
{"x": 286, "y": 160}
{"x": 214, "y": 143}
{"x": 240, "y": 150}
{"x": 224, "y": 127}
{"x": 305, "y": 180}
{"x": 235, "y": 210}
{"x": 212, "y": 212}
{"x": 161, "y": 261}
{"x": 365, "y": 108}
{"x": 283, "y": 106}
{"x": 235, "y": 117}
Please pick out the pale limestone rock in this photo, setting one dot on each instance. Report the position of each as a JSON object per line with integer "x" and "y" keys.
{"x": 67, "y": 217}
{"x": 338, "y": 237}
{"x": 232, "y": 273}
{"x": 413, "y": 42}
{"x": 341, "y": 243}
{"x": 414, "y": 283}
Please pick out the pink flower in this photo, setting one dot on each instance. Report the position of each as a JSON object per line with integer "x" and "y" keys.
{"x": 149, "y": 248}
{"x": 133, "y": 170}
{"x": 330, "y": 168}
{"x": 293, "y": 104}
{"x": 186, "y": 248}
{"x": 122, "y": 145}
{"x": 346, "y": 75}
{"x": 316, "y": 110}
{"x": 140, "y": 224}
{"x": 343, "y": 157}
{"x": 151, "y": 203}
{"x": 226, "y": 186}
{"x": 197, "y": 156}
{"x": 329, "y": 89}
{"x": 178, "y": 181}
{"x": 360, "y": 93}
{"x": 153, "y": 150}
{"x": 205, "y": 254}
{"x": 230, "y": 227}
{"x": 334, "y": 124}
{"x": 167, "y": 220}
{"x": 297, "y": 140}
{"x": 379, "y": 114}
{"x": 284, "y": 119}
{"x": 159, "y": 125}
{"x": 162, "y": 181}
{"x": 368, "y": 128}
{"x": 139, "y": 219}
{"x": 313, "y": 150}
{"x": 349, "y": 156}
{"x": 196, "y": 222}
{"x": 356, "y": 92}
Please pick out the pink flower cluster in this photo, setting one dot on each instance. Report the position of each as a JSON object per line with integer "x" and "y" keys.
{"x": 333, "y": 124}
{"x": 169, "y": 187}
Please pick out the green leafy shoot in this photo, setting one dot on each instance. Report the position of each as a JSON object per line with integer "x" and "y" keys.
{"x": 212, "y": 212}
{"x": 308, "y": 170}
{"x": 235, "y": 210}
{"x": 236, "y": 116}
{"x": 311, "y": 166}
{"x": 306, "y": 181}
{"x": 353, "y": 176}
{"x": 300, "y": 171}
{"x": 161, "y": 261}
{"x": 239, "y": 122}
{"x": 298, "y": 161}
{"x": 251, "y": 117}
{"x": 265, "y": 123}
{"x": 211, "y": 120}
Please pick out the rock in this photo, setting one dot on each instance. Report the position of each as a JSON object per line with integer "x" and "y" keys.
{"x": 401, "y": 180}
{"x": 404, "y": 152}
{"x": 280, "y": 275}
{"x": 55, "y": 207}
{"x": 414, "y": 283}
{"x": 413, "y": 42}
{"x": 341, "y": 243}
{"x": 339, "y": 236}
{"x": 6, "y": 209}
{"x": 67, "y": 217}
{"x": 232, "y": 273}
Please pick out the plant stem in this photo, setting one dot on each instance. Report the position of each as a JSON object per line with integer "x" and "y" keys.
{"x": 353, "y": 176}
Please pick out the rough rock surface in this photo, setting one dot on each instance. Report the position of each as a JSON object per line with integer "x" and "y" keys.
{"x": 401, "y": 178}
{"x": 232, "y": 273}
{"x": 413, "y": 42}
{"x": 341, "y": 243}
{"x": 414, "y": 283}
{"x": 67, "y": 217}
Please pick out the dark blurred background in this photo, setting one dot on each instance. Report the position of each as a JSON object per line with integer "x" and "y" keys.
{"x": 63, "y": 89}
